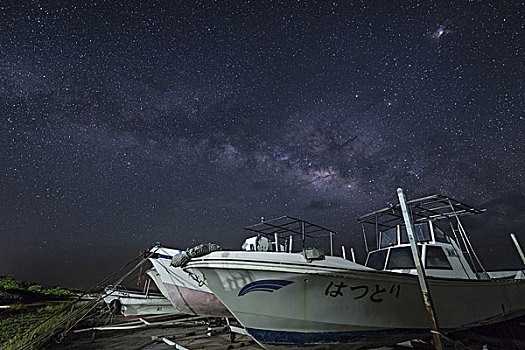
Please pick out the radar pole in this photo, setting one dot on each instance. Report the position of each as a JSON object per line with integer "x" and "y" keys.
{"x": 420, "y": 272}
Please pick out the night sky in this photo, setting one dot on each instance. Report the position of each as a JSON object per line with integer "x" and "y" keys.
{"x": 126, "y": 123}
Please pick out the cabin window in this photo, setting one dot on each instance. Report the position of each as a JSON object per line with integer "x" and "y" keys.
{"x": 376, "y": 260}
{"x": 401, "y": 258}
{"x": 388, "y": 238}
{"x": 436, "y": 259}
{"x": 421, "y": 233}
{"x": 404, "y": 235}
{"x": 439, "y": 235}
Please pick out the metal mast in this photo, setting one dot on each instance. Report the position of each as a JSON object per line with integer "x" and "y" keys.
{"x": 420, "y": 272}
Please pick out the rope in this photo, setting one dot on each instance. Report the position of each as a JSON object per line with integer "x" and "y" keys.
{"x": 78, "y": 314}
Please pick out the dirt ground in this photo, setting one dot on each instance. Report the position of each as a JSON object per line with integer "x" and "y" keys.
{"x": 193, "y": 335}
{"x": 189, "y": 335}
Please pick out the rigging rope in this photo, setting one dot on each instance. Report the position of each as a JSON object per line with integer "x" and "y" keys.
{"x": 76, "y": 315}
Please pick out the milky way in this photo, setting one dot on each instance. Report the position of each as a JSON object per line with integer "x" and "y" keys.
{"x": 127, "y": 123}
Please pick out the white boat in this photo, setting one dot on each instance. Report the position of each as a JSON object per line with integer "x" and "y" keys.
{"x": 186, "y": 294}
{"x": 155, "y": 276}
{"x": 300, "y": 300}
{"x": 134, "y": 304}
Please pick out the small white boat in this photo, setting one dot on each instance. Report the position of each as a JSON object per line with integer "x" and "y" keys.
{"x": 134, "y": 304}
{"x": 304, "y": 300}
{"x": 186, "y": 294}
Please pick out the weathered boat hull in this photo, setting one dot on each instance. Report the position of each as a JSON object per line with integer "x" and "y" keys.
{"x": 285, "y": 302}
{"x": 185, "y": 293}
{"x": 135, "y": 304}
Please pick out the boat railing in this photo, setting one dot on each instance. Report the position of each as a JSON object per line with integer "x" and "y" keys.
{"x": 286, "y": 231}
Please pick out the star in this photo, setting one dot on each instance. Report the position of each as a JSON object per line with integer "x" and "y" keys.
{"x": 440, "y": 32}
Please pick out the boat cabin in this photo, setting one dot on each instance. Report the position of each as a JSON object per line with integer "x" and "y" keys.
{"x": 439, "y": 253}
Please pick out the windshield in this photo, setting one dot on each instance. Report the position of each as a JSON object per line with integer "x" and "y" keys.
{"x": 388, "y": 238}
{"x": 437, "y": 259}
{"x": 401, "y": 258}
{"x": 439, "y": 235}
{"x": 421, "y": 233}
{"x": 376, "y": 260}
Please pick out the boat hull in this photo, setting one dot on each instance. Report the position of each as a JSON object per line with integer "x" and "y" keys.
{"x": 285, "y": 302}
{"x": 139, "y": 305}
{"x": 184, "y": 293}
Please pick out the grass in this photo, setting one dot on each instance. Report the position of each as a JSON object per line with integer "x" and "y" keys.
{"x": 12, "y": 291}
{"x": 19, "y": 326}
{"x": 31, "y": 327}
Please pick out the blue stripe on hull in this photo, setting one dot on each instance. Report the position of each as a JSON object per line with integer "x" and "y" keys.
{"x": 263, "y": 286}
{"x": 303, "y": 339}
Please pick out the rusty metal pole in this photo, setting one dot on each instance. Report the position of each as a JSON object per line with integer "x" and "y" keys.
{"x": 420, "y": 272}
